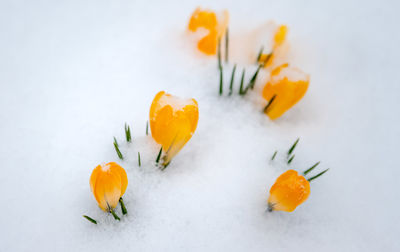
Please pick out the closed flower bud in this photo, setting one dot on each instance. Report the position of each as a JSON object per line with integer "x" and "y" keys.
{"x": 287, "y": 85}
{"x": 172, "y": 122}
{"x": 288, "y": 192}
{"x": 215, "y": 25}
{"x": 108, "y": 183}
{"x": 279, "y": 50}
{"x": 280, "y": 36}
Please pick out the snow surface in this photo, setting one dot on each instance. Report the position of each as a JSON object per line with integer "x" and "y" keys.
{"x": 73, "y": 72}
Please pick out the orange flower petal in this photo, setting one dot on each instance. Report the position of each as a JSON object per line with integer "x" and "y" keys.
{"x": 279, "y": 49}
{"x": 172, "y": 122}
{"x": 204, "y": 19}
{"x": 288, "y": 192}
{"x": 108, "y": 183}
{"x": 280, "y": 36}
{"x": 278, "y": 69}
{"x": 289, "y": 85}
{"x": 209, "y": 43}
{"x": 119, "y": 171}
{"x": 216, "y": 27}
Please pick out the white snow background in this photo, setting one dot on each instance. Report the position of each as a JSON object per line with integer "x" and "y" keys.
{"x": 73, "y": 72}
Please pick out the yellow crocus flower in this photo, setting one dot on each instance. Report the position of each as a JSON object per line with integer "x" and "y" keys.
{"x": 108, "y": 183}
{"x": 278, "y": 50}
{"x": 285, "y": 88}
{"x": 288, "y": 192}
{"x": 173, "y": 121}
{"x": 215, "y": 25}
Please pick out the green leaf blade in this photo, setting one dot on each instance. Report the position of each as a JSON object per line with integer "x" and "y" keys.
{"x": 311, "y": 168}
{"x": 116, "y": 146}
{"x": 291, "y": 159}
{"x": 221, "y": 81}
{"x": 318, "y": 175}
{"x": 267, "y": 107}
{"x": 90, "y": 219}
{"x": 123, "y": 208}
{"x": 232, "y": 79}
{"x": 273, "y": 156}
{"x": 159, "y": 156}
{"x": 242, "y": 82}
{"x": 293, "y": 146}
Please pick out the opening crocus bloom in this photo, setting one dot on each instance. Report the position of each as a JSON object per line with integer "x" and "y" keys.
{"x": 280, "y": 36}
{"x": 278, "y": 49}
{"x": 172, "y": 122}
{"x": 108, "y": 183}
{"x": 215, "y": 25}
{"x": 285, "y": 88}
{"x": 288, "y": 192}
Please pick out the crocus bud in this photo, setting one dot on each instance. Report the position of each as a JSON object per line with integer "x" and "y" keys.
{"x": 108, "y": 183}
{"x": 280, "y": 36}
{"x": 287, "y": 86}
{"x": 216, "y": 26}
{"x": 172, "y": 122}
{"x": 278, "y": 51}
{"x": 288, "y": 192}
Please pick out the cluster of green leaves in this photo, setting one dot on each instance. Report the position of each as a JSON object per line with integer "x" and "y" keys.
{"x": 290, "y": 158}
{"x": 242, "y": 88}
{"x": 111, "y": 211}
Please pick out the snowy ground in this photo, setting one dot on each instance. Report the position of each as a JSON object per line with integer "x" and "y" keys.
{"x": 73, "y": 72}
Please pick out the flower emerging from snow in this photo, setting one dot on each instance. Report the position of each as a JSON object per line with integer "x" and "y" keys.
{"x": 278, "y": 49}
{"x": 285, "y": 88}
{"x": 172, "y": 122}
{"x": 108, "y": 183}
{"x": 215, "y": 25}
{"x": 288, "y": 192}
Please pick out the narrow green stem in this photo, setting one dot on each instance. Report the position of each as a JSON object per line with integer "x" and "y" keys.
{"x": 273, "y": 156}
{"x": 316, "y": 176}
{"x": 270, "y": 207}
{"x": 159, "y": 155}
{"x": 291, "y": 159}
{"x": 259, "y": 54}
{"x": 267, "y": 59}
{"x": 232, "y": 79}
{"x": 165, "y": 165}
{"x": 123, "y": 208}
{"x": 221, "y": 81}
{"x": 139, "y": 162}
{"x": 269, "y": 104}
{"x": 311, "y": 168}
{"x": 253, "y": 79}
{"x": 242, "y": 82}
{"x": 147, "y": 128}
{"x": 90, "y": 219}
{"x": 166, "y": 158}
{"x": 114, "y": 214}
{"x": 128, "y": 133}
{"x": 293, "y": 147}
{"x": 116, "y": 146}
